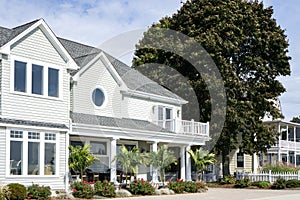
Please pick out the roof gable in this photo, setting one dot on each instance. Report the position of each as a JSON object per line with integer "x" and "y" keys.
{"x": 11, "y": 36}
{"x": 134, "y": 80}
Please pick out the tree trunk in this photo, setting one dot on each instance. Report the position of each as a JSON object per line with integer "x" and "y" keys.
{"x": 225, "y": 163}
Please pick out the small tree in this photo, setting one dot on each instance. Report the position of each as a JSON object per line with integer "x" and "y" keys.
{"x": 162, "y": 160}
{"x": 80, "y": 158}
{"x": 201, "y": 159}
{"x": 129, "y": 160}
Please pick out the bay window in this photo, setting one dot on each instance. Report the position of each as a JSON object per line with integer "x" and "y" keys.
{"x": 32, "y": 153}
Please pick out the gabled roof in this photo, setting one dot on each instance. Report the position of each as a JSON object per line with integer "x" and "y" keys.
{"x": 7, "y": 35}
{"x": 134, "y": 80}
{"x": 80, "y": 118}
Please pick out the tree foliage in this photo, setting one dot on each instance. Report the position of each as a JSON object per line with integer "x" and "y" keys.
{"x": 162, "y": 160}
{"x": 249, "y": 50}
{"x": 129, "y": 160}
{"x": 201, "y": 160}
{"x": 80, "y": 159}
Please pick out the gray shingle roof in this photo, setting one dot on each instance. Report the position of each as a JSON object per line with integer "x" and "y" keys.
{"x": 32, "y": 123}
{"x": 82, "y": 54}
{"x": 7, "y": 34}
{"x": 81, "y": 118}
{"x": 133, "y": 79}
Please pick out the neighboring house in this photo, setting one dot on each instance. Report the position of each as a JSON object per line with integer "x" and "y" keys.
{"x": 286, "y": 150}
{"x": 56, "y": 93}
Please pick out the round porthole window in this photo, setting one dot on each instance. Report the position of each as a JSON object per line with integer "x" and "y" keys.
{"x": 98, "y": 97}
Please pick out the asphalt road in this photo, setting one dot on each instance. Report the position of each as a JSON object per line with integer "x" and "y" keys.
{"x": 230, "y": 194}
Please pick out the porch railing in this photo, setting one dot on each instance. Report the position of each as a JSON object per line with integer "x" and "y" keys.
{"x": 268, "y": 176}
{"x": 184, "y": 126}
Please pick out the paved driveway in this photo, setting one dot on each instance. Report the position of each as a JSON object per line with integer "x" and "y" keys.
{"x": 230, "y": 194}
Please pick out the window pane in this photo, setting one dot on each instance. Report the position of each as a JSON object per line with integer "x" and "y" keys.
{"x": 53, "y": 82}
{"x": 98, "y": 97}
{"x": 20, "y": 76}
{"x": 16, "y": 157}
{"x": 37, "y": 79}
{"x": 33, "y": 158}
{"x": 50, "y": 152}
{"x": 98, "y": 148}
{"x": 77, "y": 143}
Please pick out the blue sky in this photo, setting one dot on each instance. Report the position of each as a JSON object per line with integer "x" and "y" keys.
{"x": 95, "y": 21}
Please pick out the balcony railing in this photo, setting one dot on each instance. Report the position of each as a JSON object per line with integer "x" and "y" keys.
{"x": 290, "y": 145}
{"x": 184, "y": 126}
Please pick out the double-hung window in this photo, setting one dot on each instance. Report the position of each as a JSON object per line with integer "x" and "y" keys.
{"x": 164, "y": 116}
{"x": 38, "y": 79}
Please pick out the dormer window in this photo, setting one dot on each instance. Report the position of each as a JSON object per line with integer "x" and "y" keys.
{"x": 36, "y": 78}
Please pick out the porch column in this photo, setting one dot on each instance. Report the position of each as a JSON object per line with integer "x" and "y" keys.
{"x": 113, "y": 153}
{"x": 182, "y": 162}
{"x": 154, "y": 171}
{"x": 188, "y": 165}
{"x": 279, "y": 144}
{"x": 295, "y": 146}
{"x": 255, "y": 163}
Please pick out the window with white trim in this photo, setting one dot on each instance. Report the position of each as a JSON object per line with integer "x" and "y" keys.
{"x": 165, "y": 117}
{"x": 32, "y": 153}
{"x": 34, "y": 78}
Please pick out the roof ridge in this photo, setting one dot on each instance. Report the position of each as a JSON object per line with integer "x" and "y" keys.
{"x": 32, "y": 22}
{"x": 77, "y": 43}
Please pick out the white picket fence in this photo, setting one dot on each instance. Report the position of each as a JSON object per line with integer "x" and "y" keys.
{"x": 268, "y": 176}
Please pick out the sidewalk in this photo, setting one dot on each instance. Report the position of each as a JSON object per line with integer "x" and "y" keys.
{"x": 230, "y": 194}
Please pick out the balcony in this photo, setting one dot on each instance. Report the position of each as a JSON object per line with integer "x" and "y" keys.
{"x": 185, "y": 127}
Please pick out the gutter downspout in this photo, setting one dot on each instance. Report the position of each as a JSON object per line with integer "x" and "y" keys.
{"x": 67, "y": 156}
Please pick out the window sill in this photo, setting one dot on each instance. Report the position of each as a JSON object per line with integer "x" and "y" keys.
{"x": 36, "y": 96}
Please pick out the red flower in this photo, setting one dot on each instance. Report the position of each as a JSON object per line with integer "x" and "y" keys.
{"x": 74, "y": 190}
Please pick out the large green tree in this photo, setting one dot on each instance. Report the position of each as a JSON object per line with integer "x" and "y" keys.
{"x": 250, "y": 51}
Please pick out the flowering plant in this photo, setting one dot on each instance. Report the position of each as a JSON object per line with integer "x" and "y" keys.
{"x": 105, "y": 189}
{"x": 82, "y": 190}
{"x": 141, "y": 187}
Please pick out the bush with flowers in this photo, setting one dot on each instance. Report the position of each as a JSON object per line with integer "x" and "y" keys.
{"x": 105, "y": 189}
{"x": 82, "y": 189}
{"x": 179, "y": 186}
{"x": 141, "y": 187}
{"x": 38, "y": 192}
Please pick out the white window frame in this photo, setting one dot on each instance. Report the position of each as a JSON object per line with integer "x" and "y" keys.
{"x": 24, "y": 155}
{"x": 105, "y": 97}
{"x": 46, "y": 66}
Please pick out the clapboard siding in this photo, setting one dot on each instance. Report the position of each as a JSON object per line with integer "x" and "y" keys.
{"x": 0, "y": 85}
{"x": 35, "y": 46}
{"x": 143, "y": 109}
{"x": 3, "y": 153}
{"x": 97, "y": 76}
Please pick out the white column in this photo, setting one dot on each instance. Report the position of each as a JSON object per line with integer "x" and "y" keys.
{"x": 188, "y": 165}
{"x": 295, "y": 146}
{"x": 154, "y": 171}
{"x": 182, "y": 162}
{"x": 255, "y": 163}
{"x": 287, "y": 133}
{"x": 279, "y": 144}
{"x": 113, "y": 153}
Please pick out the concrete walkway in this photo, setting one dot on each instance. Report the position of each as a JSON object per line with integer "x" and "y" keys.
{"x": 230, "y": 194}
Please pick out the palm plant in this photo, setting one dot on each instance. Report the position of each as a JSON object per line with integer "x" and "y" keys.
{"x": 129, "y": 160}
{"x": 80, "y": 158}
{"x": 162, "y": 160}
{"x": 201, "y": 160}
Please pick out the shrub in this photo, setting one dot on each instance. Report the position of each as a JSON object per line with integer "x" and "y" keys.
{"x": 293, "y": 183}
{"x": 104, "y": 189}
{"x": 4, "y": 192}
{"x": 17, "y": 191}
{"x": 177, "y": 186}
{"x": 141, "y": 187}
{"x": 228, "y": 180}
{"x": 38, "y": 192}
{"x": 191, "y": 187}
{"x": 82, "y": 190}
{"x": 279, "y": 184}
{"x": 281, "y": 168}
{"x": 242, "y": 183}
{"x": 201, "y": 187}
{"x": 261, "y": 184}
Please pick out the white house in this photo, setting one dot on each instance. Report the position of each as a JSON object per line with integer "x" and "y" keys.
{"x": 56, "y": 93}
